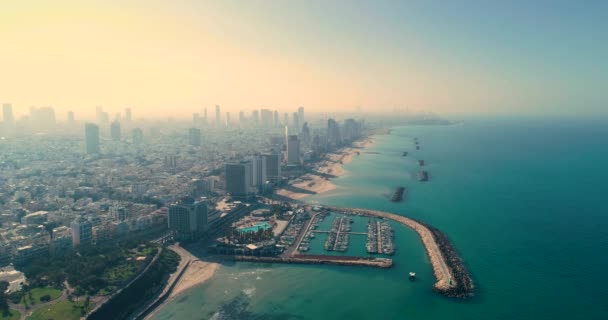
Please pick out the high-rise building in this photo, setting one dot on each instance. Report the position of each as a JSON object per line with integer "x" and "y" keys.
{"x": 7, "y": 114}
{"x": 293, "y": 150}
{"x": 255, "y": 115}
{"x": 266, "y": 116}
{"x": 296, "y": 123}
{"x": 276, "y": 118}
{"x": 102, "y": 116}
{"x": 128, "y": 114}
{"x": 258, "y": 171}
{"x": 91, "y": 138}
{"x": 42, "y": 118}
{"x": 238, "y": 178}
{"x": 241, "y": 118}
{"x": 227, "y": 119}
{"x": 305, "y": 135}
{"x": 82, "y": 234}
{"x": 286, "y": 119}
{"x": 194, "y": 137}
{"x": 334, "y": 138}
{"x": 115, "y": 130}
{"x": 352, "y": 130}
{"x": 218, "y": 115}
{"x": 188, "y": 218}
{"x": 70, "y": 117}
{"x": 301, "y": 114}
{"x": 205, "y": 115}
{"x": 273, "y": 166}
{"x": 196, "y": 119}
{"x": 138, "y": 136}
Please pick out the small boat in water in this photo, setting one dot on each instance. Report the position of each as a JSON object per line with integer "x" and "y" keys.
{"x": 412, "y": 276}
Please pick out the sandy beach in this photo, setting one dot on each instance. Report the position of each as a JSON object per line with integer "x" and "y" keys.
{"x": 196, "y": 272}
{"x": 332, "y": 166}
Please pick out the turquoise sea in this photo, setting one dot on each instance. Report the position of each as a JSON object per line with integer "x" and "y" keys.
{"x": 524, "y": 200}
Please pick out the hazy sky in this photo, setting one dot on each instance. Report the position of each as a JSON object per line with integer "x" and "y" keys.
{"x": 176, "y": 57}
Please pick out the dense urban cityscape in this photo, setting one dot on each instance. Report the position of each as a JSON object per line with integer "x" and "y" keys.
{"x": 127, "y": 186}
{"x": 303, "y": 160}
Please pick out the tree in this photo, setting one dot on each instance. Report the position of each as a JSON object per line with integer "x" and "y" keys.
{"x": 3, "y": 298}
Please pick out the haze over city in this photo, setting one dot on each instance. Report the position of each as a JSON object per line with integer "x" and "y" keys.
{"x": 303, "y": 160}
{"x": 154, "y": 56}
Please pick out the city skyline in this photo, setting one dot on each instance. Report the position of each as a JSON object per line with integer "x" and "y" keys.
{"x": 465, "y": 58}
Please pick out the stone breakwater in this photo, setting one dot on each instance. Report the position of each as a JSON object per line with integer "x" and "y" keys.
{"x": 321, "y": 259}
{"x": 453, "y": 280}
{"x": 462, "y": 286}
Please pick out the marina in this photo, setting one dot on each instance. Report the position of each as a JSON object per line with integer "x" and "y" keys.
{"x": 380, "y": 237}
{"x": 338, "y": 237}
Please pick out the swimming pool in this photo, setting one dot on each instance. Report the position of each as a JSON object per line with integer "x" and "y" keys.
{"x": 256, "y": 227}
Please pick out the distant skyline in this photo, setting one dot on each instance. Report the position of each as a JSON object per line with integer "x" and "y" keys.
{"x": 164, "y": 58}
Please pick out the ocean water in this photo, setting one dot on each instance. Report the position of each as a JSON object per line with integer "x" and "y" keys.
{"x": 523, "y": 200}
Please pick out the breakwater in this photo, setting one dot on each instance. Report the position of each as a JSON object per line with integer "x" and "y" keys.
{"x": 452, "y": 278}
{"x": 320, "y": 259}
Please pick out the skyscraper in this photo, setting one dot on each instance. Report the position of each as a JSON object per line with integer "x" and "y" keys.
{"x": 128, "y": 114}
{"x": 7, "y": 114}
{"x": 241, "y": 118}
{"x": 276, "y": 118}
{"x": 218, "y": 116}
{"x": 296, "y": 123}
{"x": 333, "y": 134}
{"x": 188, "y": 218}
{"x": 227, "y": 119}
{"x": 138, "y": 136}
{"x": 255, "y": 114}
{"x": 266, "y": 116}
{"x": 293, "y": 150}
{"x": 301, "y": 114}
{"x": 91, "y": 138}
{"x": 305, "y": 135}
{"x": 238, "y": 178}
{"x": 70, "y": 117}
{"x": 286, "y": 119}
{"x": 194, "y": 137}
{"x": 258, "y": 171}
{"x": 273, "y": 166}
{"x": 115, "y": 130}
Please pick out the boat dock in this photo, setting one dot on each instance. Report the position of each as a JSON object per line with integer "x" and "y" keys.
{"x": 338, "y": 236}
{"x": 380, "y": 237}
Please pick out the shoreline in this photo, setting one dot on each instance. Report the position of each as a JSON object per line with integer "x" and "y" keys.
{"x": 191, "y": 272}
{"x": 329, "y": 167}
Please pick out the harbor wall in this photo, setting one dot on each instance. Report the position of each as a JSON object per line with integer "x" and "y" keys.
{"x": 321, "y": 259}
{"x": 452, "y": 277}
